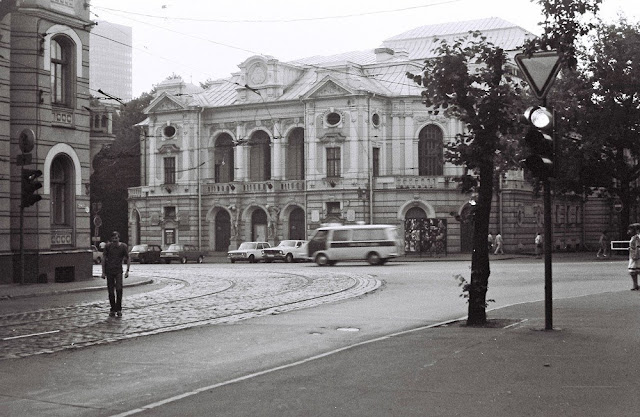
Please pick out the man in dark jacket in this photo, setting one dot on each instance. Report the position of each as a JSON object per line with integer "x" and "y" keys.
{"x": 115, "y": 253}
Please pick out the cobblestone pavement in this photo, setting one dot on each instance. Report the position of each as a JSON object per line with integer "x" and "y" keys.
{"x": 191, "y": 296}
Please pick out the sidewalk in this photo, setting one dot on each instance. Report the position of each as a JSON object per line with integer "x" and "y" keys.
{"x": 587, "y": 366}
{"x": 95, "y": 283}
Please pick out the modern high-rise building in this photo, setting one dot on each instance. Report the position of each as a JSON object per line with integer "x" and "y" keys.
{"x": 111, "y": 60}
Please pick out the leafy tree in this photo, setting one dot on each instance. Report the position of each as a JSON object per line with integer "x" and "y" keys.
{"x": 565, "y": 24}
{"x": 602, "y": 104}
{"x": 469, "y": 81}
{"x": 117, "y": 167}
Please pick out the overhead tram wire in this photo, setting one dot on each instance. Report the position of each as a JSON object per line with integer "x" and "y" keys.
{"x": 294, "y": 20}
{"x": 338, "y": 71}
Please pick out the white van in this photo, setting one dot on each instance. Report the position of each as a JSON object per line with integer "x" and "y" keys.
{"x": 374, "y": 243}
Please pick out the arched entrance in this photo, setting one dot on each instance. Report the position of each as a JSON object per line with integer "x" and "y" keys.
{"x": 296, "y": 224}
{"x": 223, "y": 231}
{"x": 424, "y": 235}
{"x": 259, "y": 226}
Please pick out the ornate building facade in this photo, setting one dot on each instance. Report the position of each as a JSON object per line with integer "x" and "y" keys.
{"x": 280, "y": 148}
{"x": 44, "y": 119}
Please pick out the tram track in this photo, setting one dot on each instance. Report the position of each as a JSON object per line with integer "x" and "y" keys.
{"x": 200, "y": 299}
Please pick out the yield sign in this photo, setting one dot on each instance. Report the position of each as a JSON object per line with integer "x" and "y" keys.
{"x": 540, "y": 70}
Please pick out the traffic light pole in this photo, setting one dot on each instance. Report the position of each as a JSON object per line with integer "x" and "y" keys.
{"x": 21, "y": 245}
{"x": 548, "y": 242}
{"x": 548, "y": 237}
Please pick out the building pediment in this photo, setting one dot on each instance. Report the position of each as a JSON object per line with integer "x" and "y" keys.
{"x": 168, "y": 148}
{"x": 328, "y": 87}
{"x": 165, "y": 103}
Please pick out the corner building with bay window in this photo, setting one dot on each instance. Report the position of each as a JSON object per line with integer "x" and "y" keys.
{"x": 280, "y": 148}
{"x": 44, "y": 96}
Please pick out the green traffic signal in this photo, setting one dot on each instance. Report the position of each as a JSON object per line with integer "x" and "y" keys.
{"x": 30, "y": 185}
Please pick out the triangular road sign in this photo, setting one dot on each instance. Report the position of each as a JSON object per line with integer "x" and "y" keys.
{"x": 540, "y": 70}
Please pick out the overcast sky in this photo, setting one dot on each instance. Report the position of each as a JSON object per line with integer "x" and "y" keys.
{"x": 201, "y": 39}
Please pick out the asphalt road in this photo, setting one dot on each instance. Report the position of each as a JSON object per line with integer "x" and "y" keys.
{"x": 131, "y": 368}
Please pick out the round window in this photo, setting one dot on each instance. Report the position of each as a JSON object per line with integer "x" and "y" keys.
{"x": 333, "y": 119}
{"x": 169, "y": 131}
{"x": 375, "y": 119}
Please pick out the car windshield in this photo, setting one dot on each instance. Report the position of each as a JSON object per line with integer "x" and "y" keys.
{"x": 247, "y": 245}
{"x": 288, "y": 243}
{"x": 174, "y": 247}
{"x": 139, "y": 248}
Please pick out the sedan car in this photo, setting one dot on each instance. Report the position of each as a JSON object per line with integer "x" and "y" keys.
{"x": 288, "y": 251}
{"x": 182, "y": 253}
{"x": 249, "y": 251}
{"x": 145, "y": 254}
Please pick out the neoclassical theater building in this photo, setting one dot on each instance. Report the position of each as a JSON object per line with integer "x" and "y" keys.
{"x": 279, "y": 148}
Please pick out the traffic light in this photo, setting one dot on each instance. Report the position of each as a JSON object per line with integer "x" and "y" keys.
{"x": 540, "y": 141}
{"x": 30, "y": 185}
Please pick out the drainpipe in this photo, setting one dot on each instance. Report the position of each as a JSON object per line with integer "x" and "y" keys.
{"x": 199, "y": 139}
{"x": 370, "y": 159}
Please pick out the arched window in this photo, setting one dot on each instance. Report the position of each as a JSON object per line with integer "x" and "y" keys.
{"x": 62, "y": 66}
{"x": 430, "y": 151}
{"x": 260, "y": 157}
{"x": 62, "y": 185}
{"x": 295, "y": 155}
{"x": 224, "y": 159}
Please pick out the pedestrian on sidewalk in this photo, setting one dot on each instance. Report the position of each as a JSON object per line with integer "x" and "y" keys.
{"x": 499, "y": 243}
{"x": 115, "y": 253}
{"x": 605, "y": 244}
{"x": 538, "y": 243}
{"x": 490, "y": 241}
{"x": 634, "y": 254}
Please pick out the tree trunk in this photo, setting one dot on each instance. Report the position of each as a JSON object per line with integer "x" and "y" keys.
{"x": 480, "y": 258}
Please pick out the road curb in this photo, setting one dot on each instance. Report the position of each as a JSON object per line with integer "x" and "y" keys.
{"x": 73, "y": 290}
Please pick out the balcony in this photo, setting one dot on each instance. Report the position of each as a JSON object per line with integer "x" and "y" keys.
{"x": 253, "y": 187}
{"x": 414, "y": 182}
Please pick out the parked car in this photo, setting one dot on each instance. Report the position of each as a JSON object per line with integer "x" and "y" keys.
{"x": 182, "y": 253}
{"x": 145, "y": 254}
{"x": 249, "y": 251}
{"x": 97, "y": 255}
{"x": 288, "y": 251}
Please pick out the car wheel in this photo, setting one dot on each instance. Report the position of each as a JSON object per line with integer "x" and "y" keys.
{"x": 200, "y": 259}
{"x": 373, "y": 258}
{"x": 322, "y": 260}
{"x": 167, "y": 261}
{"x": 289, "y": 258}
{"x": 233, "y": 261}
{"x": 183, "y": 260}
{"x": 252, "y": 259}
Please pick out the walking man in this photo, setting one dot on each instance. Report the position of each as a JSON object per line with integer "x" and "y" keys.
{"x": 538, "y": 242}
{"x": 604, "y": 243}
{"x": 499, "y": 243}
{"x": 115, "y": 253}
